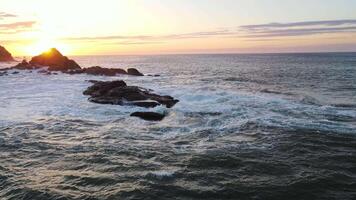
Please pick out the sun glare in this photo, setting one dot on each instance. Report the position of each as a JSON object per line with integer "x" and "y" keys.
{"x": 44, "y": 45}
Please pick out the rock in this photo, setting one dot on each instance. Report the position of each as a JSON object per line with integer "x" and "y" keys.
{"x": 118, "y": 93}
{"x": 134, "y": 72}
{"x": 23, "y": 66}
{"x": 149, "y": 116}
{"x": 3, "y": 74}
{"x": 96, "y": 70}
{"x": 5, "y": 56}
{"x": 15, "y": 72}
{"x": 146, "y": 104}
{"x": 55, "y": 61}
{"x": 154, "y": 75}
{"x": 45, "y": 72}
{"x": 100, "y": 87}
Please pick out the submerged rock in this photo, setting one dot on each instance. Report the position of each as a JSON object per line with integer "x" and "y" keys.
{"x": 149, "y": 116}
{"x": 5, "y": 56}
{"x": 118, "y": 93}
{"x": 55, "y": 61}
{"x": 134, "y": 72}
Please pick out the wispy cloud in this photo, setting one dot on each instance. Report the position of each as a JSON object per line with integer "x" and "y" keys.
{"x": 138, "y": 43}
{"x": 298, "y": 28}
{"x": 299, "y": 24}
{"x": 6, "y": 15}
{"x": 258, "y": 32}
{"x": 192, "y": 35}
{"x": 16, "y": 25}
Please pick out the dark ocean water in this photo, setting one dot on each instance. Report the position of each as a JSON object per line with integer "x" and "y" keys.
{"x": 273, "y": 126}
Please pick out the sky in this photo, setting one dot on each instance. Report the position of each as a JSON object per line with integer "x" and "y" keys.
{"x": 115, "y": 27}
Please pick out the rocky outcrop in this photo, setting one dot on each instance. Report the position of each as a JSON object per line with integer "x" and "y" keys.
{"x": 149, "y": 116}
{"x": 118, "y": 93}
{"x": 5, "y": 56}
{"x": 134, "y": 72}
{"x": 99, "y": 71}
{"x": 24, "y": 65}
{"x": 55, "y": 61}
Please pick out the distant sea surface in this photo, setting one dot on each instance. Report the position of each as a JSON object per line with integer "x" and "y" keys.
{"x": 272, "y": 126}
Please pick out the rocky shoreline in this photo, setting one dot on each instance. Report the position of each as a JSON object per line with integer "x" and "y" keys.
{"x": 111, "y": 92}
{"x": 53, "y": 61}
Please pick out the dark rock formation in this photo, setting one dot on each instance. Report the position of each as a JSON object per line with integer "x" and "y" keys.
{"x": 45, "y": 72}
{"x": 149, "y": 116}
{"x": 118, "y": 93}
{"x": 23, "y": 66}
{"x": 55, "y": 61}
{"x": 134, "y": 72}
{"x": 96, "y": 70}
{"x": 154, "y": 75}
{"x": 5, "y": 56}
{"x": 103, "y": 71}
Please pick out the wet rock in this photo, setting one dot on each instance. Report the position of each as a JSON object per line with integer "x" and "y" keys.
{"x": 101, "y": 87}
{"x": 134, "y": 72}
{"x": 118, "y": 93}
{"x": 146, "y": 104}
{"x": 45, "y": 72}
{"x": 3, "y": 74}
{"x": 5, "y": 56}
{"x": 15, "y": 72}
{"x": 24, "y": 65}
{"x": 154, "y": 75}
{"x": 100, "y": 71}
{"x": 55, "y": 61}
{"x": 149, "y": 116}
{"x": 96, "y": 70}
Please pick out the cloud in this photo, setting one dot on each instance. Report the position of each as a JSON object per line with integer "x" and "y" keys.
{"x": 141, "y": 39}
{"x": 261, "y": 32}
{"x": 137, "y": 43}
{"x": 7, "y": 28}
{"x": 17, "y": 25}
{"x": 6, "y": 15}
{"x": 298, "y": 28}
{"x": 299, "y": 24}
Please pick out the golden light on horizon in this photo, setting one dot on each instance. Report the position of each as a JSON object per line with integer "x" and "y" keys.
{"x": 44, "y": 45}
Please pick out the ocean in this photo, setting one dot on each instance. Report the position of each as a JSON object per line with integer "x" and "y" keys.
{"x": 254, "y": 126}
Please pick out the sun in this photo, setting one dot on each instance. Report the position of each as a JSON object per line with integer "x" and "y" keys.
{"x": 44, "y": 45}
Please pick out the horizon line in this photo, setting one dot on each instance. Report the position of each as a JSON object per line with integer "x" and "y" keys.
{"x": 205, "y": 53}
